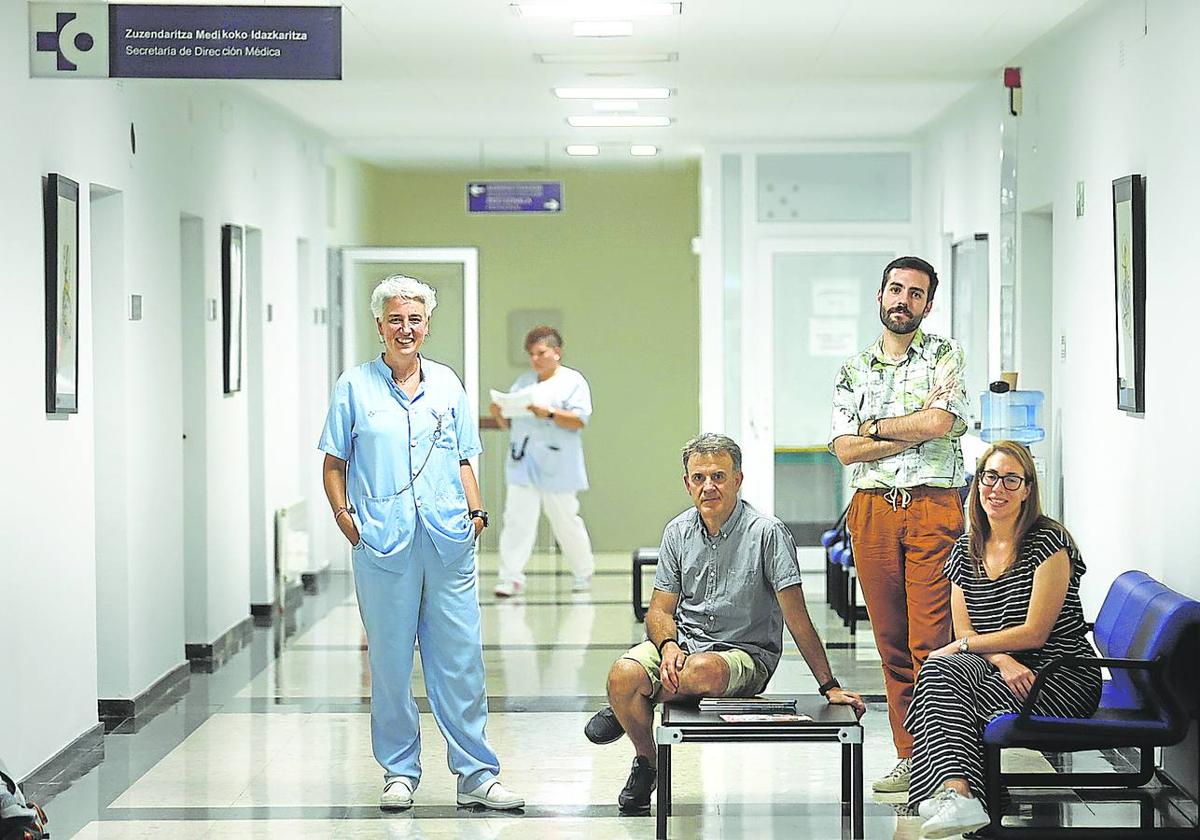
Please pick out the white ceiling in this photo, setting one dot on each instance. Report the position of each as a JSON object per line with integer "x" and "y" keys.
{"x": 456, "y": 81}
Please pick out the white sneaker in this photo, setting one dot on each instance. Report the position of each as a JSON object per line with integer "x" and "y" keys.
{"x": 492, "y": 794}
{"x": 397, "y": 795}
{"x": 953, "y": 815}
{"x": 508, "y": 588}
{"x": 897, "y": 780}
{"x": 581, "y": 584}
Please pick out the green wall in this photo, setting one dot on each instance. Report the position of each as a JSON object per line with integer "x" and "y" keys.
{"x": 618, "y": 263}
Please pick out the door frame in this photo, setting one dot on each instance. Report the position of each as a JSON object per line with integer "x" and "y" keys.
{"x": 468, "y": 258}
{"x": 757, "y": 428}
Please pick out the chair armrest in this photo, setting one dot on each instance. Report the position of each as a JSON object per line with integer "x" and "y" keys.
{"x": 1153, "y": 666}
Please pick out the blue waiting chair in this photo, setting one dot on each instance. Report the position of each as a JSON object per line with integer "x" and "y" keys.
{"x": 1148, "y": 637}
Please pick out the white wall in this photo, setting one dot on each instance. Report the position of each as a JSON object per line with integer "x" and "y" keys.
{"x": 1104, "y": 99}
{"x": 211, "y": 151}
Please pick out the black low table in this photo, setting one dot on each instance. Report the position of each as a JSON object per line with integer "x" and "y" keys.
{"x": 834, "y": 724}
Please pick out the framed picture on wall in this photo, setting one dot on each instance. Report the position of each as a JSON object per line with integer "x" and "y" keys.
{"x": 1129, "y": 270}
{"x": 232, "y": 304}
{"x": 60, "y": 204}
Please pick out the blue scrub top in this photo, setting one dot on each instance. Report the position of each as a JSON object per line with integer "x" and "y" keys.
{"x": 542, "y": 453}
{"x": 385, "y": 437}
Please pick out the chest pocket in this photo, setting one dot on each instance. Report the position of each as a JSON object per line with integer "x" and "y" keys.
{"x": 386, "y": 423}
{"x": 442, "y": 430}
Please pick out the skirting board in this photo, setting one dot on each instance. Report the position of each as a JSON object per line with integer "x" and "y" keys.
{"x": 206, "y": 657}
{"x": 71, "y": 762}
{"x": 313, "y": 580}
{"x": 115, "y": 711}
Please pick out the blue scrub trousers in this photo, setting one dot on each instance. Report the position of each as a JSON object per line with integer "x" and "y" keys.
{"x": 433, "y": 600}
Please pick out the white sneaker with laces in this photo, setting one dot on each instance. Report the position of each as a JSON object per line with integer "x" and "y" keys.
{"x": 897, "y": 780}
{"x": 581, "y": 584}
{"x": 492, "y": 794}
{"x": 928, "y": 807}
{"x": 508, "y": 588}
{"x": 397, "y": 795}
{"x": 953, "y": 815}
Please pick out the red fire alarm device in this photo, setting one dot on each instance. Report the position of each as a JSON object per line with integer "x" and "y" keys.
{"x": 1012, "y": 81}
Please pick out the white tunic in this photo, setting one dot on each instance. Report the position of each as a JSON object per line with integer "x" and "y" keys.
{"x": 541, "y": 453}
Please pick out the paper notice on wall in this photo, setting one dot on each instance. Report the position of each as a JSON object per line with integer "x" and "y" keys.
{"x": 836, "y": 298}
{"x": 515, "y": 404}
{"x": 832, "y": 337}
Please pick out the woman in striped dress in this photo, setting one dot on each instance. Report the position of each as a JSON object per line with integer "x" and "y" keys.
{"x": 1015, "y": 602}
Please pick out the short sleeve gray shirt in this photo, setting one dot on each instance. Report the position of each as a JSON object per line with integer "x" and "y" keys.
{"x": 727, "y": 584}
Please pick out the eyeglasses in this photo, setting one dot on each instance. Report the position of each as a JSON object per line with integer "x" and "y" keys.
{"x": 1011, "y": 481}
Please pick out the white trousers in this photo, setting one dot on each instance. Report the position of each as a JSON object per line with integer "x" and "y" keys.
{"x": 521, "y": 510}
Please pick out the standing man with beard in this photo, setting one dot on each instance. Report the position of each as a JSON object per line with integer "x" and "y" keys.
{"x": 899, "y": 409}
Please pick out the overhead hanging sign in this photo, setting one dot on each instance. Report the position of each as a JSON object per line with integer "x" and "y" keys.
{"x": 152, "y": 41}
{"x": 515, "y": 197}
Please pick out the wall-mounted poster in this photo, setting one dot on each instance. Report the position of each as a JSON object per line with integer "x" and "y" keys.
{"x": 60, "y": 203}
{"x": 232, "y": 304}
{"x": 1129, "y": 267}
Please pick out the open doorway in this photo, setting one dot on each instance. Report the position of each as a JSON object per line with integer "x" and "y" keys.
{"x": 1038, "y": 353}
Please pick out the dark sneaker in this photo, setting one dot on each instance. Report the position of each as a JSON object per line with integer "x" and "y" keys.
{"x": 604, "y": 728}
{"x": 635, "y": 796}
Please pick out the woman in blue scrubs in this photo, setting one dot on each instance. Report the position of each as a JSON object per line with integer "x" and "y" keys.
{"x": 397, "y": 441}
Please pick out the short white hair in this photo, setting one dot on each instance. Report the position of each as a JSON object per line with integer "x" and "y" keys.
{"x": 402, "y": 286}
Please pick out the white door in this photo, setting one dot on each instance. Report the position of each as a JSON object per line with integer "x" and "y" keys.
{"x": 808, "y": 306}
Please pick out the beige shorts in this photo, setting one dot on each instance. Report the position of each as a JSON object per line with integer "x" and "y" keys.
{"x": 746, "y": 678}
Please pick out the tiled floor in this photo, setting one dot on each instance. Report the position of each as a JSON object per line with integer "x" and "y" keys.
{"x": 277, "y": 746}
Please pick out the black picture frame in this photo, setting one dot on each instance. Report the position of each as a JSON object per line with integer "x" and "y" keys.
{"x": 1129, "y": 276}
{"x": 233, "y": 281}
{"x": 60, "y": 207}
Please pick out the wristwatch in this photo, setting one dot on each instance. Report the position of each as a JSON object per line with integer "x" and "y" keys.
{"x": 963, "y": 646}
{"x": 825, "y": 688}
{"x": 550, "y": 414}
{"x": 478, "y": 514}
{"x": 873, "y": 430}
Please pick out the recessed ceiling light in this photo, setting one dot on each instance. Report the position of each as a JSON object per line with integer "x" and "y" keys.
{"x": 602, "y": 28}
{"x": 629, "y": 121}
{"x": 614, "y": 106}
{"x": 605, "y": 58}
{"x": 612, "y": 92}
{"x": 643, "y": 150}
{"x": 595, "y": 9}
{"x": 583, "y": 150}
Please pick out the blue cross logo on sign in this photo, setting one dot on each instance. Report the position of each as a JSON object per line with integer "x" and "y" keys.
{"x": 68, "y": 40}
{"x": 47, "y": 41}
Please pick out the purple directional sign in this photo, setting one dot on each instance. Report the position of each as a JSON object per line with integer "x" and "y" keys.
{"x": 515, "y": 197}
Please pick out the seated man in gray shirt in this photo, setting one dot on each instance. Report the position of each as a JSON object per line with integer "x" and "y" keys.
{"x": 727, "y": 582}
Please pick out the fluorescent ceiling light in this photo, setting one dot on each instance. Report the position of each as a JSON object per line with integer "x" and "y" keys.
{"x": 596, "y": 9}
{"x": 605, "y": 58}
{"x": 614, "y": 106}
{"x": 643, "y": 150}
{"x": 602, "y": 28}
{"x": 583, "y": 150}
{"x": 628, "y": 121}
{"x": 612, "y": 92}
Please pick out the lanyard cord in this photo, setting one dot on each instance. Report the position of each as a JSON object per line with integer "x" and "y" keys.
{"x": 437, "y": 433}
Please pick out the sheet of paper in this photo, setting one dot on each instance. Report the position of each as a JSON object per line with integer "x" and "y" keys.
{"x": 785, "y": 718}
{"x": 515, "y": 404}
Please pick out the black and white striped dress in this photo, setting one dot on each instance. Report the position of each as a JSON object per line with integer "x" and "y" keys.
{"x": 957, "y": 695}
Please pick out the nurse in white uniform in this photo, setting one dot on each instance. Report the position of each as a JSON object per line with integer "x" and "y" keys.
{"x": 398, "y": 441}
{"x": 545, "y": 469}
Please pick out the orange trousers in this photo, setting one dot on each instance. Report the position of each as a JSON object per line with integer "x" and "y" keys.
{"x": 900, "y": 551}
